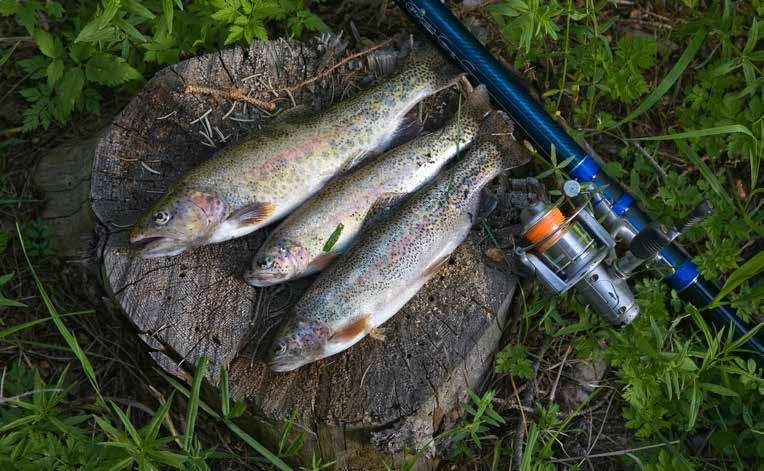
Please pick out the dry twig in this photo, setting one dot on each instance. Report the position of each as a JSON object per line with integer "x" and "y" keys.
{"x": 331, "y": 69}
{"x": 233, "y": 94}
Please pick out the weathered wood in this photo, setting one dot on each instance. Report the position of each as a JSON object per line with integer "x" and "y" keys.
{"x": 361, "y": 407}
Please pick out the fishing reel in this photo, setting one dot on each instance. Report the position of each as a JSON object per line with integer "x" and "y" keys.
{"x": 579, "y": 252}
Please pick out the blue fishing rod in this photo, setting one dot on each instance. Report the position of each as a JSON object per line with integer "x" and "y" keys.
{"x": 603, "y": 288}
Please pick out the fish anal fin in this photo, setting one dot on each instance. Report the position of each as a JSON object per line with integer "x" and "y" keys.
{"x": 322, "y": 261}
{"x": 356, "y": 327}
{"x": 253, "y": 214}
{"x": 435, "y": 266}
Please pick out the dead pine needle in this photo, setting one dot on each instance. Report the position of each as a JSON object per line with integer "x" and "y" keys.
{"x": 233, "y": 94}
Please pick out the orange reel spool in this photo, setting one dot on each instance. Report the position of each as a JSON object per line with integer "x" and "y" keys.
{"x": 547, "y": 230}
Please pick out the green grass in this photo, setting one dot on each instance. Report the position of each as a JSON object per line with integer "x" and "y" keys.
{"x": 670, "y": 94}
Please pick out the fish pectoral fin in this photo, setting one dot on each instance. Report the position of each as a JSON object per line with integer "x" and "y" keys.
{"x": 353, "y": 329}
{"x": 435, "y": 266}
{"x": 322, "y": 261}
{"x": 382, "y": 205}
{"x": 410, "y": 127}
{"x": 488, "y": 204}
{"x": 294, "y": 115}
{"x": 253, "y": 214}
{"x": 359, "y": 157}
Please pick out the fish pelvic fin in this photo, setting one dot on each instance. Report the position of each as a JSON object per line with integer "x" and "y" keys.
{"x": 253, "y": 214}
{"x": 435, "y": 266}
{"x": 353, "y": 329}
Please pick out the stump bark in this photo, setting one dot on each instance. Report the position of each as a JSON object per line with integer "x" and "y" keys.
{"x": 361, "y": 407}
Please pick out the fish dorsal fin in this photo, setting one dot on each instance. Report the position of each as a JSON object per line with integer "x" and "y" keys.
{"x": 353, "y": 329}
{"x": 253, "y": 214}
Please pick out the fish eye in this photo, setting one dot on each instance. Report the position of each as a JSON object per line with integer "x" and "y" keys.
{"x": 279, "y": 349}
{"x": 265, "y": 262}
{"x": 161, "y": 217}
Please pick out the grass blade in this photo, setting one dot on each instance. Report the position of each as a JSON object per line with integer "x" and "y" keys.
{"x": 193, "y": 404}
{"x": 25, "y": 325}
{"x": 707, "y": 173}
{"x": 248, "y": 439}
{"x": 68, "y": 336}
{"x": 669, "y": 80}
{"x": 746, "y": 271}
{"x": 333, "y": 237}
{"x": 729, "y": 129}
{"x": 225, "y": 396}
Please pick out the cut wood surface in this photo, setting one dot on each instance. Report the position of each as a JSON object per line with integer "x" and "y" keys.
{"x": 357, "y": 407}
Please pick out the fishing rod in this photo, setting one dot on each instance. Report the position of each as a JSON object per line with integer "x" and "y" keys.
{"x": 571, "y": 252}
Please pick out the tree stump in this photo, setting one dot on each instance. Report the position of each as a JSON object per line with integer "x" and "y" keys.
{"x": 361, "y": 407}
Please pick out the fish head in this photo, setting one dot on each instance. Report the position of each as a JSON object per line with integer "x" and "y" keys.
{"x": 298, "y": 343}
{"x": 278, "y": 262}
{"x": 179, "y": 221}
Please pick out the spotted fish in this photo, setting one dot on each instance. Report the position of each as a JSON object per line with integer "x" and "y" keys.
{"x": 391, "y": 261}
{"x": 296, "y": 247}
{"x": 267, "y": 175}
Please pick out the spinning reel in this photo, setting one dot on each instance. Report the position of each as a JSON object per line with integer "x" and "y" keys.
{"x": 580, "y": 251}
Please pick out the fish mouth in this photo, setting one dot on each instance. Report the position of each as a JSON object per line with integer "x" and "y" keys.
{"x": 157, "y": 246}
{"x": 262, "y": 279}
{"x": 285, "y": 365}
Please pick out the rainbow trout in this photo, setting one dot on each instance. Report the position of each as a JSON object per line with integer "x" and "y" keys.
{"x": 392, "y": 260}
{"x": 296, "y": 247}
{"x": 267, "y": 175}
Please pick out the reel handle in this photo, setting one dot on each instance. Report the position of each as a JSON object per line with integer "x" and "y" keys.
{"x": 649, "y": 242}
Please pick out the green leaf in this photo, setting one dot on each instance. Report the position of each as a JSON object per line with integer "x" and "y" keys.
{"x": 92, "y": 32}
{"x": 130, "y": 30}
{"x": 720, "y": 390}
{"x": 45, "y": 43}
{"x": 335, "y": 235}
{"x": 152, "y": 429}
{"x": 669, "y": 80}
{"x": 234, "y": 34}
{"x": 748, "y": 270}
{"x": 135, "y": 6}
{"x": 70, "y": 89}
{"x": 55, "y": 71}
{"x": 167, "y": 9}
{"x": 193, "y": 404}
{"x": 110, "y": 70}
